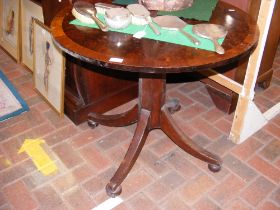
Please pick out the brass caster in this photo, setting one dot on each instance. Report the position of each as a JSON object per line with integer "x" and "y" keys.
{"x": 113, "y": 192}
{"x": 92, "y": 124}
{"x": 173, "y": 105}
{"x": 214, "y": 167}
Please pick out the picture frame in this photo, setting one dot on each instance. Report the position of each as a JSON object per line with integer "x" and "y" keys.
{"x": 29, "y": 11}
{"x": 10, "y": 27}
{"x": 48, "y": 67}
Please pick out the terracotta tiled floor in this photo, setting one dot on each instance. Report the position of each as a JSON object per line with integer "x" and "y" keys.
{"x": 164, "y": 177}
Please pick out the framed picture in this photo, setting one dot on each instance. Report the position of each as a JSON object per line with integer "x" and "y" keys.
{"x": 29, "y": 11}
{"x": 48, "y": 67}
{"x": 9, "y": 27}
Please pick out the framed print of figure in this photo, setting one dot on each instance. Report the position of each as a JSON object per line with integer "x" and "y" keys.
{"x": 9, "y": 27}
{"x": 48, "y": 67}
{"x": 29, "y": 11}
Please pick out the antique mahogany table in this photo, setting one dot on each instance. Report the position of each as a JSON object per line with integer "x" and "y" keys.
{"x": 153, "y": 60}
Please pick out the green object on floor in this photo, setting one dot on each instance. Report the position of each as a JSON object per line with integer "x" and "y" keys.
{"x": 200, "y": 10}
{"x": 170, "y": 36}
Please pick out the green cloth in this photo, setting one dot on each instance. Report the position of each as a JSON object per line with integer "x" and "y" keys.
{"x": 200, "y": 10}
{"x": 125, "y": 2}
{"x": 169, "y": 36}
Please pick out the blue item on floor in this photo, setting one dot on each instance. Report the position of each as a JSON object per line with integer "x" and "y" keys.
{"x": 11, "y": 103}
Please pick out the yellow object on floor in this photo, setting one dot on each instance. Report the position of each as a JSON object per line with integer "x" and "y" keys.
{"x": 39, "y": 156}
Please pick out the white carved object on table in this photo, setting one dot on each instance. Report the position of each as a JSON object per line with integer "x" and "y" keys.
{"x": 166, "y": 5}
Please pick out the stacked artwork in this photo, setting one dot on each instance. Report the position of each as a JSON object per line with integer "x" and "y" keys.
{"x": 24, "y": 36}
{"x": 29, "y": 12}
{"x": 48, "y": 67}
{"x": 9, "y": 27}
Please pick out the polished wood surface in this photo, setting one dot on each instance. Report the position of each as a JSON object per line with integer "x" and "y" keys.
{"x": 153, "y": 60}
{"x": 97, "y": 47}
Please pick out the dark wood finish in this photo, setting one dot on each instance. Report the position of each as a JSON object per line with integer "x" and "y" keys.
{"x": 95, "y": 89}
{"x": 241, "y": 4}
{"x": 37, "y": 2}
{"x": 226, "y": 99}
{"x": 150, "y": 56}
{"x": 266, "y": 70}
{"x": 88, "y": 88}
{"x": 153, "y": 114}
{"x": 153, "y": 60}
{"x": 51, "y": 8}
{"x": 127, "y": 118}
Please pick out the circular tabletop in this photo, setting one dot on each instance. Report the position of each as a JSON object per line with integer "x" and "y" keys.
{"x": 150, "y": 56}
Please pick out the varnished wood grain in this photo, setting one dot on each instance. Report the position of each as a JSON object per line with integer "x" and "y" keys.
{"x": 95, "y": 46}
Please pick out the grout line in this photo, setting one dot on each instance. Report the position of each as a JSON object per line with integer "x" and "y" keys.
{"x": 272, "y": 112}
